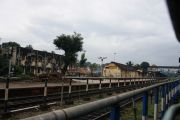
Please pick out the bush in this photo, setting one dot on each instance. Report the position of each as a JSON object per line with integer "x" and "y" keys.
{"x": 18, "y": 70}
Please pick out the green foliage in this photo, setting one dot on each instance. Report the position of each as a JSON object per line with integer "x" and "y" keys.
{"x": 129, "y": 63}
{"x": 137, "y": 66}
{"x": 93, "y": 67}
{"x": 144, "y": 66}
{"x": 4, "y": 65}
{"x": 18, "y": 70}
{"x": 83, "y": 60}
{"x": 70, "y": 44}
{"x": 29, "y": 47}
{"x": 11, "y": 44}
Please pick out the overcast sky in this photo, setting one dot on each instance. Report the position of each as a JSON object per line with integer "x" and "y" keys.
{"x": 137, "y": 30}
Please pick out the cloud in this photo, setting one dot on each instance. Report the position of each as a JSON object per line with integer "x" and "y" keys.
{"x": 136, "y": 30}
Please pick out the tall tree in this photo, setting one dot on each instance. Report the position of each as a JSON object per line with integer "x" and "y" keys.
{"x": 83, "y": 60}
{"x": 144, "y": 66}
{"x": 70, "y": 44}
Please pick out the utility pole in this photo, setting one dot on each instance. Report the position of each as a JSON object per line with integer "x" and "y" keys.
{"x": 102, "y": 59}
{"x": 114, "y": 56}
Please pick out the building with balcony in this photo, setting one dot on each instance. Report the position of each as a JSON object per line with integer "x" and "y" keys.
{"x": 33, "y": 61}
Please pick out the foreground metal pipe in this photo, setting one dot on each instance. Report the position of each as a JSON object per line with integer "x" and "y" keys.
{"x": 172, "y": 112}
{"x": 84, "y": 109}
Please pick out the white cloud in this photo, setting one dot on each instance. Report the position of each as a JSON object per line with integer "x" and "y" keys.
{"x": 137, "y": 30}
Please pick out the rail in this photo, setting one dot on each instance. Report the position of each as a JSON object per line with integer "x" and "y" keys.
{"x": 168, "y": 95}
{"x": 102, "y": 85}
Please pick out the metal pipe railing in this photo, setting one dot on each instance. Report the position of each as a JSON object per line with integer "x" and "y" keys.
{"x": 172, "y": 113}
{"x": 84, "y": 109}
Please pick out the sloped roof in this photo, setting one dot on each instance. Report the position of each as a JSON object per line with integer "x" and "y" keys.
{"x": 124, "y": 67}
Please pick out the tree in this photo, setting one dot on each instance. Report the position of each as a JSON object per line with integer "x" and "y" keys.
{"x": 70, "y": 44}
{"x": 129, "y": 63}
{"x": 144, "y": 66}
{"x": 29, "y": 47}
{"x": 11, "y": 44}
{"x": 137, "y": 66}
{"x": 4, "y": 65}
{"x": 93, "y": 67}
{"x": 83, "y": 60}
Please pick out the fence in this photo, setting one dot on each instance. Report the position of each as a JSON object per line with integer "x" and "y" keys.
{"x": 102, "y": 84}
{"x": 168, "y": 91}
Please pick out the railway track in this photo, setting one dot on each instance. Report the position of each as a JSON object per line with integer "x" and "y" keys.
{"x": 23, "y": 103}
{"x": 105, "y": 113}
{"x": 16, "y": 104}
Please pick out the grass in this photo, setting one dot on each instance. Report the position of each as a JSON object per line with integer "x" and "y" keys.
{"x": 128, "y": 114}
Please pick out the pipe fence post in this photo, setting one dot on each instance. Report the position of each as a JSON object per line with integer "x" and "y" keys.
{"x": 124, "y": 82}
{"x": 134, "y": 82}
{"x": 134, "y": 108}
{"x": 150, "y": 80}
{"x": 172, "y": 91}
{"x": 156, "y": 98}
{"x": 45, "y": 90}
{"x": 100, "y": 84}
{"x": 70, "y": 89}
{"x": 162, "y": 100}
{"x": 167, "y": 95}
{"x": 62, "y": 90}
{"x": 110, "y": 83}
{"x": 118, "y": 82}
{"x": 6, "y": 98}
{"x": 115, "y": 112}
{"x": 70, "y": 86}
{"x": 143, "y": 81}
{"x": 145, "y": 106}
{"x": 175, "y": 89}
{"x": 87, "y": 85}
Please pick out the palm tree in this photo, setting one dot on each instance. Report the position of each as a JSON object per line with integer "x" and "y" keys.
{"x": 129, "y": 63}
{"x": 83, "y": 60}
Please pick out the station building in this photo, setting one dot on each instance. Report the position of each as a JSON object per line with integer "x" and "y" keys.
{"x": 115, "y": 69}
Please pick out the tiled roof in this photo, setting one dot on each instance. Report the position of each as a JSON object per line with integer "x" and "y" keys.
{"x": 124, "y": 67}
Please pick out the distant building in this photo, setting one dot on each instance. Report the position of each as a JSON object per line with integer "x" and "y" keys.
{"x": 76, "y": 71}
{"x": 33, "y": 61}
{"x": 114, "y": 69}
